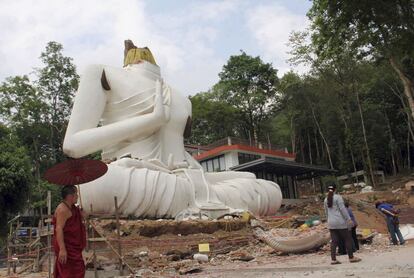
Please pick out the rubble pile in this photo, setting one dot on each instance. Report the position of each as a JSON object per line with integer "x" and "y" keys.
{"x": 171, "y": 248}
{"x": 291, "y": 234}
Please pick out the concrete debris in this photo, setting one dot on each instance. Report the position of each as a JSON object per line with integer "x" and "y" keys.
{"x": 407, "y": 231}
{"x": 143, "y": 254}
{"x": 367, "y": 189}
{"x": 201, "y": 257}
{"x": 410, "y": 185}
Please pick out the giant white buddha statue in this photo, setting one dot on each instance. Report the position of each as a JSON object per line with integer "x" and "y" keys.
{"x": 138, "y": 122}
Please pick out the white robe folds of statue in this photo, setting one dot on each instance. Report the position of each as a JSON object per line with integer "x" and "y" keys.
{"x": 152, "y": 175}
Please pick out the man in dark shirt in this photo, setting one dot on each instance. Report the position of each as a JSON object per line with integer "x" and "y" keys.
{"x": 392, "y": 221}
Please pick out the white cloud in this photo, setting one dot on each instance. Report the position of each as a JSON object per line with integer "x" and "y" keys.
{"x": 185, "y": 41}
{"x": 93, "y": 32}
{"x": 271, "y": 25}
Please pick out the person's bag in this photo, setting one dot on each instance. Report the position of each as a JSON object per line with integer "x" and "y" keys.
{"x": 395, "y": 220}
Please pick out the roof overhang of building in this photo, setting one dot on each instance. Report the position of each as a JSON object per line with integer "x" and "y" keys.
{"x": 227, "y": 148}
{"x": 283, "y": 167}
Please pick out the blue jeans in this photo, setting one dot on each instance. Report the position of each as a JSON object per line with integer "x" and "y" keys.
{"x": 394, "y": 231}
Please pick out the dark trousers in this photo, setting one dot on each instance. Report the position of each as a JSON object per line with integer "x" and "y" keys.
{"x": 341, "y": 247}
{"x": 355, "y": 239}
{"x": 394, "y": 231}
{"x": 355, "y": 243}
{"x": 336, "y": 236}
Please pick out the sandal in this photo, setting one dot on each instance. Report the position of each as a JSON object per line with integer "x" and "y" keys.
{"x": 354, "y": 260}
{"x": 335, "y": 262}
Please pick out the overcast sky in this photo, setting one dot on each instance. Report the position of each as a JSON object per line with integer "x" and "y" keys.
{"x": 191, "y": 40}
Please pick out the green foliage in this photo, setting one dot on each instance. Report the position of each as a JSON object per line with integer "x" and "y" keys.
{"x": 316, "y": 116}
{"x": 15, "y": 176}
{"x": 37, "y": 111}
{"x": 212, "y": 119}
{"x": 57, "y": 82}
{"x": 378, "y": 28}
{"x": 250, "y": 86}
{"x": 371, "y": 30}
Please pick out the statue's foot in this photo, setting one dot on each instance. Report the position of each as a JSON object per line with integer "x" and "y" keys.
{"x": 203, "y": 212}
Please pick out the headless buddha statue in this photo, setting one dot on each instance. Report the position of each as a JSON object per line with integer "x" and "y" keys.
{"x": 138, "y": 122}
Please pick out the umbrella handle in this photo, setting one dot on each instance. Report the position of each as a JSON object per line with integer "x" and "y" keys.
{"x": 80, "y": 197}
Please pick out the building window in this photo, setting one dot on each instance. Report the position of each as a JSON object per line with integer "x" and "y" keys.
{"x": 247, "y": 157}
{"x": 210, "y": 167}
{"x": 214, "y": 164}
{"x": 222, "y": 162}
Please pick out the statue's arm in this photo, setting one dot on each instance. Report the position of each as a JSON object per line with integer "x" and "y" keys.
{"x": 83, "y": 137}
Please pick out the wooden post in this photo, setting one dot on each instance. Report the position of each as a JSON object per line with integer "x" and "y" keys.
{"x": 121, "y": 271}
{"x": 8, "y": 254}
{"x": 49, "y": 240}
{"x": 113, "y": 248}
{"x": 36, "y": 265}
{"x": 15, "y": 232}
{"x": 30, "y": 238}
{"x": 95, "y": 269}
{"x": 87, "y": 232}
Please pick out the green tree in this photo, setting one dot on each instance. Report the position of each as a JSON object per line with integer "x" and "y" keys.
{"x": 212, "y": 119}
{"x": 37, "y": 112}
{"x": 381, "y": 29}
{"x": 15, "y": 176}
{"x": 22, "y": 108}
{"x": 57, "y": 82}
{"x": 250, "y": 86}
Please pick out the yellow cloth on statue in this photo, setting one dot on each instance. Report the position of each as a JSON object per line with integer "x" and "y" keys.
{"x": 139, "y": 54}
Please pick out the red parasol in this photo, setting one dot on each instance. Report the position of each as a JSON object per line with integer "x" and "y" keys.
{"x": 75, "y": 171}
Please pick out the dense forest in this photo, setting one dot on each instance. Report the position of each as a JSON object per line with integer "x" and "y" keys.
{"x": 352, "y": 110}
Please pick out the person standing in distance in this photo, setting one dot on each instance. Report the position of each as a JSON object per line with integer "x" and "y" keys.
{"x": 393, "y": 222}
{"x": 339, "y": 223}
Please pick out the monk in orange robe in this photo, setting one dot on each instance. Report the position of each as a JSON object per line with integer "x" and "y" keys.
{"x": 69, "y": 236}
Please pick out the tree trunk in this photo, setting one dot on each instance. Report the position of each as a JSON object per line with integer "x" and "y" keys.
{"x": 52, "y": 145}
{"x": 318, "y": 156}
{"x": 323, "y": 137}
{"x": 269, "y": 145}
{"x": 292, "y": 135}
{"x": 354, "y": 165}
{"x": 309, "y": 148}
{"x": 408, "y": 151}
{"x": 349, "y": 146}
{"x": 407, "y": 83}
{"x": 394, "y": 166}
{"x": 302, "y": 149}
{"x": 37, "y": 160}
{"x": 406, "y": 109}
{"x": 311, "y": 160}
{"x": 371, "y": 173}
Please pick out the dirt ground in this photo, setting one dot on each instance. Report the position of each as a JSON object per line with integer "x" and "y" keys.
{"x": 395, "y": 262}
{"x": 165, "y": 248}
{"x": 376, "y": 262}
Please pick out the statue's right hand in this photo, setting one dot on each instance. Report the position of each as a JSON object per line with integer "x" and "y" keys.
{"x": 159, "y": 112}
{"x": 63, "y": 256}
